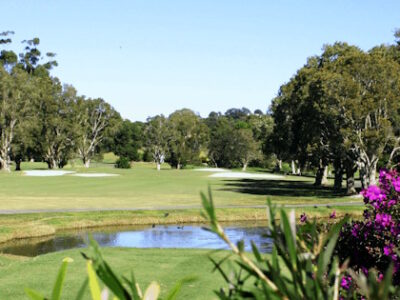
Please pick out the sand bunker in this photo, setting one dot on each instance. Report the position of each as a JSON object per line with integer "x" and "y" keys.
{"x": 95, "y": 175}
{"x": 245, "y": 175}
{"x": 211, "y": 170}
{"x": 47, "y": 172}
{"x": 357, "y": 196}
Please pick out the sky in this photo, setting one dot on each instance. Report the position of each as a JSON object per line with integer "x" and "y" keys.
{"x": 154, "y": 57}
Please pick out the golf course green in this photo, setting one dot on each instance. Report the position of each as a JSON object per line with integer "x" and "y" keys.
{"x": 33, "y": 206}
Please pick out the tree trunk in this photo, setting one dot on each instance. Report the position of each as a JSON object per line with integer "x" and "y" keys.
{"x": 4, "y": 159}
{"x": 319, "y": 176}
{"x": 4, "y": 165}
{"x": 158, "y": 166}
{"x": 17, "y": 165}
{"x": 350, "y": 183}
{"x": 338, "y": 178}
{"x": 372, "y": 173}
{"x": 244, "y": 167}
{"x": 293, "y": 168}
{"x": 280, "y": 164}
{"x": 324, "y": 180}
{"x": 368, "y": 173}
{"x": 52, "y": 164}
{"x": 298, "y": 172}
{"x": 86, "y": 162}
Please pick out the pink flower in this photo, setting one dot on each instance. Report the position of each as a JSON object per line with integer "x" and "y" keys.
{"x": 303, "y": 218}
{"x": 396, "y": 184}
{"x": 383, "y": 219}
{"x": 346, "y": 282}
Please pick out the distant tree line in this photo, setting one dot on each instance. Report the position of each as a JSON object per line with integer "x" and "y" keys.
{"x": 41, "y": 119}
{"x": 341, "y": 109}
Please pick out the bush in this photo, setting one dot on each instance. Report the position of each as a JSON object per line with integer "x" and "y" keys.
{"x": 307, "y": 255}
{"x": 373, "y": 242}
{"x": 123, "y": 163}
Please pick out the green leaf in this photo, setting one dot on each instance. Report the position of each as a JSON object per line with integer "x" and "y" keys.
{"x": 93, "y": 283}
{"x": 152, "y": 291}
{"x": 57, "y": 289}
{"x": 289, "y": 238}
{"x": 172, "y": 294}
{"x": 256, "y": 253}
{"x": 33, "y": 294}
{"x": 325, "y": 259}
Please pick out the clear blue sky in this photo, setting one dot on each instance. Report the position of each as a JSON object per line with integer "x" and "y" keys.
{"x": 151, "y": 57}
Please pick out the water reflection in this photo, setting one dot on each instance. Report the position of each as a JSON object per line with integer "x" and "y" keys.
{"x": 162, "y": 236}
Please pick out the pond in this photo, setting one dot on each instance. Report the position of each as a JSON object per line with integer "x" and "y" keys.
{"x": 156, "y": 236}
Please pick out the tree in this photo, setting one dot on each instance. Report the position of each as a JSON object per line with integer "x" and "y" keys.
{"x": 238, "y": 113}
{"x": 156, "y": 138}
{"x": 15, "y": 94}
{"x": 128, "y": 140}
{"x": 246, "y": 148}
{"x": 371, "y": 115}
{"x": 232, "y": 143}
{"x": 221, "y": 147}
{"x": 54, "y": 130}
{"x": 187, "y": 133}
{"x": 95, "y": 118}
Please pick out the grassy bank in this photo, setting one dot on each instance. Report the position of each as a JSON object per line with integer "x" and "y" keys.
{"x": 42, "y": 224}
{"x": 166, "y": 266}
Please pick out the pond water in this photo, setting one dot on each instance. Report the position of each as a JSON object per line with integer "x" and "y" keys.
{"x": 159, "y": 236}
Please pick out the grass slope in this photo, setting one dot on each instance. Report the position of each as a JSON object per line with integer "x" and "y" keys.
{"x": 166, "y": 266}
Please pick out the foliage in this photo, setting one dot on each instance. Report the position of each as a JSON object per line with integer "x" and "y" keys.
{"x": 373, "y": 242}
{"x": 234, "y": 142}
{"x": 342, "y": 108}
{"x": 156, "y": 140}
{"x": 96, "y": 119}
{"x": 186, "y": 134}
{"x": 128, "y": 140}
{"x": 123, "y": 163}
{"x": 302, "y": 265}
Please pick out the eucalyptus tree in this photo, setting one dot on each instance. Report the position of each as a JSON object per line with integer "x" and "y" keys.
{"x": 246, "y": 147}
{"x": 156, "y": 138}
{"x": 95, "y": 119}
{"x": 371, "y": 115}
{"x": 15, "y": 96}
{"x": 54, "y": 130}
{"x": 232, "y": 143}
{"x": 187, "y": 134}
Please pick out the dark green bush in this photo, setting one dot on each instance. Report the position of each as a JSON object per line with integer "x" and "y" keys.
{"x": 123, "y": 163}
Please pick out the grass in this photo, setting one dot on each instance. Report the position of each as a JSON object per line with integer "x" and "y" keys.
{"x": 166, "y": 266}
{"x": 144, "y": 187}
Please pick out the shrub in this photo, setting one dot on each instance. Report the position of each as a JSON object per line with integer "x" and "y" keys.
{"x": 373, "y": 242}
{"x": 123, "y": 163}
{"x": 312, "y": 271}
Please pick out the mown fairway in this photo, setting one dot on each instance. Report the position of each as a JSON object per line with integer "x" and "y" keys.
{"x": 144, "y": 187}
{"x": 166, "y": 266}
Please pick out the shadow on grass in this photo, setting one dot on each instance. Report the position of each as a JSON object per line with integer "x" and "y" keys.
{"x": 281, "y": 188}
